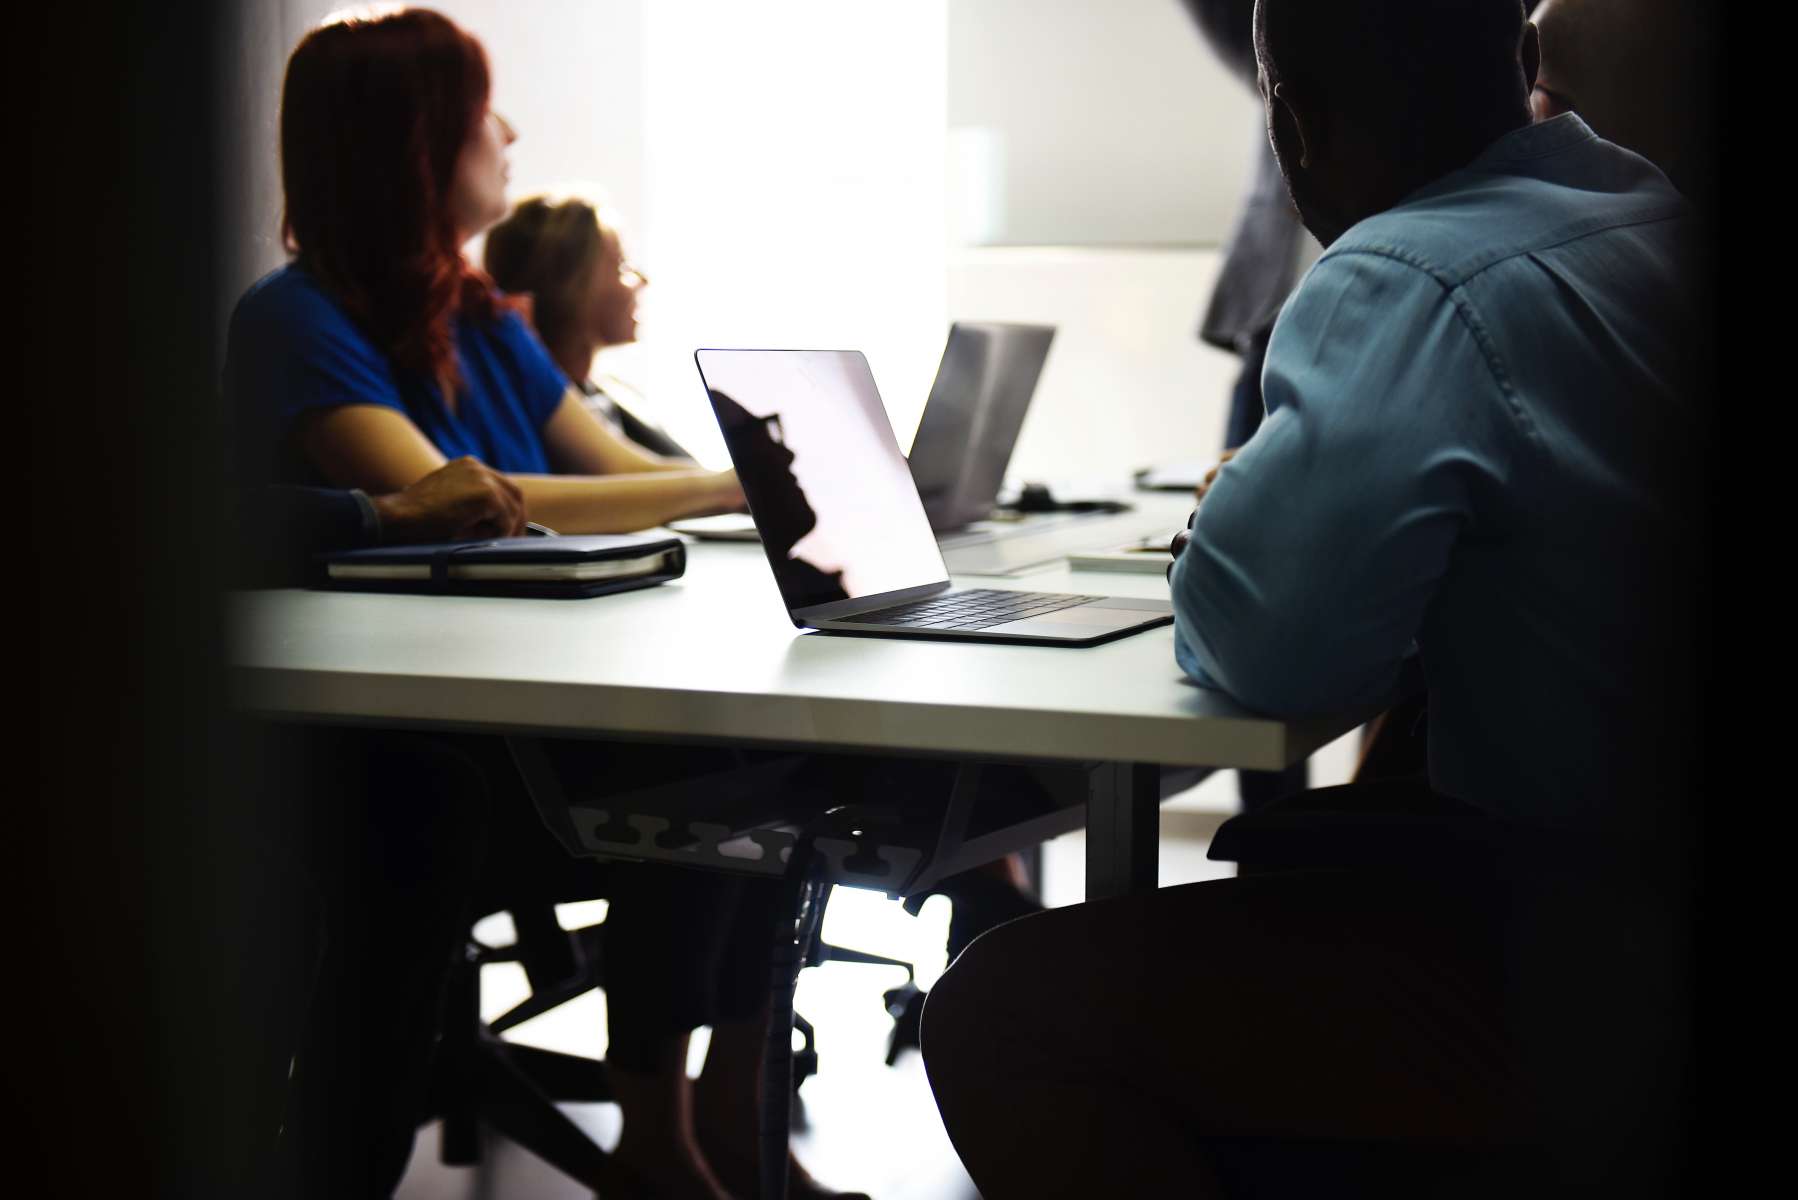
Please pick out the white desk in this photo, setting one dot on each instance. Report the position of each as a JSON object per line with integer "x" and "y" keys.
{"x": 713, "y": 657}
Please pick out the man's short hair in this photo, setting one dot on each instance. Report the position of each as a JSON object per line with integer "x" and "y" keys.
{"x": 1427, "y": 69}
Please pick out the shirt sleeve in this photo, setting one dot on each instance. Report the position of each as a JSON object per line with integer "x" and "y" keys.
{"x": 292, "y": 349}
{"x": 282, "y": 528}
{"x": 1319, "y": 546}
{"x": 542, "y": 383}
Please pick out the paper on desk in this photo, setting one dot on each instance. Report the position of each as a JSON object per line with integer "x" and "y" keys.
{"x": 1130, "y": 558}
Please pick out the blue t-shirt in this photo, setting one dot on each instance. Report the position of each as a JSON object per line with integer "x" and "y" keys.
{"x": 293, "y": 349}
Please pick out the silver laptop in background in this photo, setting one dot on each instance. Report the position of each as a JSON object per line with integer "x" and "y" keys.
{"x": 971, "y": 420}
{"x": 843, "y": 525}
{"x": 965, "y": 437}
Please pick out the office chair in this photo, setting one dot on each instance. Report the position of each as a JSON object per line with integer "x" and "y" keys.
{"x": 1396, "y": 823}
{"x": 1399, "y": 824}
{"x": 981, "y": 899}
{"x": 480, "y": 1077}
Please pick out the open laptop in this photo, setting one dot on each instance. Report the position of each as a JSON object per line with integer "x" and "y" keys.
{"x": 972, "y": 418}
{"x": 843, "y": 525}
{"x": 969, "y": 428}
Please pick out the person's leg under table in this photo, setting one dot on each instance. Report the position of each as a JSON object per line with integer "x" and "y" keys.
{"x": 687, "y": 947}
{"x": 666, "y": 930}
{"x": 393, "y": 828}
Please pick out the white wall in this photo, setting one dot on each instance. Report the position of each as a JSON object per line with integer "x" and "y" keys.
{"x": 249, "y": 133}
{"x": 568, "y": 75}
{"x": 1126, "y": 383}
{"x": 1103, "y": 123}
{"x": 794, "y": 197}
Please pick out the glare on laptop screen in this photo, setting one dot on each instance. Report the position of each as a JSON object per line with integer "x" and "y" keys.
{"x": 831, "y": 494}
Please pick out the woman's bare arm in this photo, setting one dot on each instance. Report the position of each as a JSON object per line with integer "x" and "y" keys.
{"x": 624, "y": 503}
{"x": 581, "y": 444}
{"x": 367, "y": 446}
{"x": 379, "y": 449}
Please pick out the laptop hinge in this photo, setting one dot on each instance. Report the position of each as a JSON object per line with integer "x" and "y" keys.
{"x": 839, "y": 610}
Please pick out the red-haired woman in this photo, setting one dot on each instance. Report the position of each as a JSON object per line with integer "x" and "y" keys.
{"x": 379, "y": 352}
{"x": 373, "y": 356}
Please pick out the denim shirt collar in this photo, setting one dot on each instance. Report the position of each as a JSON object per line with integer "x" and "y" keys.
{"x": 1527, "y": 143}
{"x": 1536, "y": 140}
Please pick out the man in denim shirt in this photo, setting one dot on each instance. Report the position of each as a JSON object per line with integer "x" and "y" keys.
{"x": 1478, "y": 407}
{"x": 1475, "y": 402}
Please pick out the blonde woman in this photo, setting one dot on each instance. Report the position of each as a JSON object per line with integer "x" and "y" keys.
{"x": 569, "y": 258}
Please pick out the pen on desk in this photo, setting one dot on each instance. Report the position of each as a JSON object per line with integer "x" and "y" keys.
{"x": 532, "y": 529}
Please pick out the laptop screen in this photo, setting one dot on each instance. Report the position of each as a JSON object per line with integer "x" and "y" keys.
{"x": 971, "y": 422}
{"x": 831, "y": 495}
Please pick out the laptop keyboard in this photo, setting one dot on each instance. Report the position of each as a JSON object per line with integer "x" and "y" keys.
{"x": 974, "y": 608}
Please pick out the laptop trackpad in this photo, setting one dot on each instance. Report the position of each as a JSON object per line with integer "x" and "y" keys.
{"x": 1083, "y": 620}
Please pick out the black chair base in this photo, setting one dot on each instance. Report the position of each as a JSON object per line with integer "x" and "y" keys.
{"x": 514, "y": 1090}
{"x": 511, "y": 1088}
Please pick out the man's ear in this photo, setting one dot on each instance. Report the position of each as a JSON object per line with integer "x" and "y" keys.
{"x": 1292, "y": 123}
{"x": 1531, "y": 56}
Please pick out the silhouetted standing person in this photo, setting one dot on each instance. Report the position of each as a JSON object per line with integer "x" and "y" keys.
{"x": 1260, "y": 265}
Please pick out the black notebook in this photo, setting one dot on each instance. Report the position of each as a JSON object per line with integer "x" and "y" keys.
{"x": 563, "y": 568}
